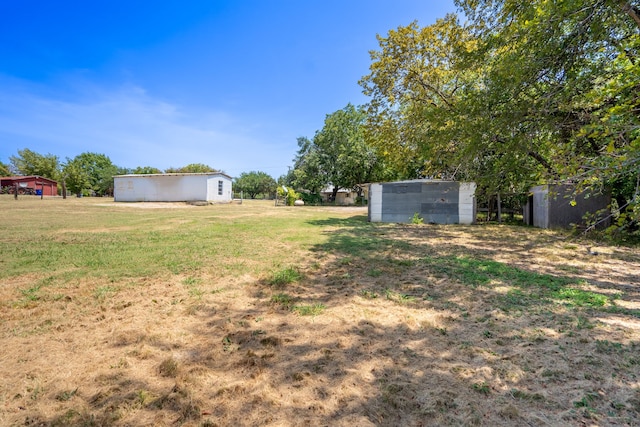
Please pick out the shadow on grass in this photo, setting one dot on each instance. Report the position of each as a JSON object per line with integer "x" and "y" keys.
{"x": 382, "y": 249}
{"x": 430, "y": 332}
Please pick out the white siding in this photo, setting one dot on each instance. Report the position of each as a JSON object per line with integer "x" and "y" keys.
{"x": 467, "y": 203}
{"x": 213, "y": 186}
{"x": 375, "y": 202}
{"x": 170, "y": 188}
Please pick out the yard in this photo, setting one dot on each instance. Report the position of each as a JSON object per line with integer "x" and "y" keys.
{"x": 115, "y": 314}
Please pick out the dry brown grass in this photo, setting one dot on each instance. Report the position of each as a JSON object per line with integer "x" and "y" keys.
{"x": 402, "y": 341}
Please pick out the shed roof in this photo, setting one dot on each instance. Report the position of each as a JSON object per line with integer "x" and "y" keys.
{"x": 139, "y": 175}
{"x": 27, "y": 178}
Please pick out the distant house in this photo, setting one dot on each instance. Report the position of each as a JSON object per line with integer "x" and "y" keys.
{"x": 556, "y": 206}
{"x": 344, "y": 197}
{"x": 437, "y": 202}
{"x": 35, "y": 185}
{"x": 173, "y": 187}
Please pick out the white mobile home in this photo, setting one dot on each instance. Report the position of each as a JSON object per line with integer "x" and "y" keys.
{"x": 173, "y": 187}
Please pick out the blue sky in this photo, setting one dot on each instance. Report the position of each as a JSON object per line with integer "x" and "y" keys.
{"x": 231, "y": 84}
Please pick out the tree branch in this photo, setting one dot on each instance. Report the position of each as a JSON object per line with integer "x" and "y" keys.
{"x": 631, "y": 11}
{"x": 543, "y": 162}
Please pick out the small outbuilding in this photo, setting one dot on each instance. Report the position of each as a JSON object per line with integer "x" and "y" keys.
{"x": 34, "y": 185}
{"x": 345, "y": 197}
{"x": 435, "y": 201}
{"x": 558, "y": 206}
{"x": 173, "y": 187}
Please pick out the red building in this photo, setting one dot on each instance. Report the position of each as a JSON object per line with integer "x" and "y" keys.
{"x": 35, "y": 185}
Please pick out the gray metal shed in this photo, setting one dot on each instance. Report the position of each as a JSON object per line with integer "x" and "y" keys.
{"x": 438, "y": 202}
{"x": 556, "y": 206}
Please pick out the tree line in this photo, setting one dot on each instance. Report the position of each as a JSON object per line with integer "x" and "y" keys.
{"x": 91, "y": 174}
{"x": 86, "y": 174}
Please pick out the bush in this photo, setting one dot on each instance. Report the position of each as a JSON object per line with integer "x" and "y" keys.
{"x": 311, "y": 199}
{"x": 290, "y": 196}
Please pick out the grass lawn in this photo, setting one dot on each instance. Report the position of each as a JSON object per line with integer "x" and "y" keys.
{"x": 120, "y": 314}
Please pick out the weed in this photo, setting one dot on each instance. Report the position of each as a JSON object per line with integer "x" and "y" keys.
{"x": 374, "y": 272}
{"x": 194, "y": 290}
{"x": 398, "y": 297}
{"x": 143, "y": 397}
{"x": 66, "y": 395}
{"x": 284, "y": 277}
{"x": 283, "y": 300}
{"x": 227, "y": 344}
{"x": 523, "y": 395}
{"x": 402, "y": 262}
{"x": 122, "y": 363}
{"x": 35, "y": 392}
{"x": 608, "y": 347}
{"x": 309, "y": 309}
{"x": 368, "y": 294}
{"x": 190, "y": 281}
{"x": 583, "y": 323}
{"x": 417, "y": 219}
{"x": 345, "y": 261}
{"x": 31, "y": 294}
{"x": 103, "y": 291}
{"x": 586, "y": 401}
{"x": 270, "y": 341}
{"x": 168, "y": 368}
{"x": 482, "y": 387}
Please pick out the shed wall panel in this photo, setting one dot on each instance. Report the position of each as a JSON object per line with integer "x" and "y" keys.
{"x": 556, "y": 206}
{"x": 375, "y": 203}
{"x": 435, "y": 201}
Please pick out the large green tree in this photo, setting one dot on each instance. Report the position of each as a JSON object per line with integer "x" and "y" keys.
{"x": 146, "y": 170}
{"x": 339, "y": 154}
{"x": 75, "y": 177}
{"x": 415, "y": 85}
{"x": 307, "y": 173}
{"x": 255, "y": 183}
{"x": 4, "y": 169}
{"x": 192, "y": 168}
{"x": 28, "y": 162}
{"x": 99, "y": 170}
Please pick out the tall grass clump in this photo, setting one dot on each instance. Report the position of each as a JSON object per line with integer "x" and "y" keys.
{"x": 284, "y": 276}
